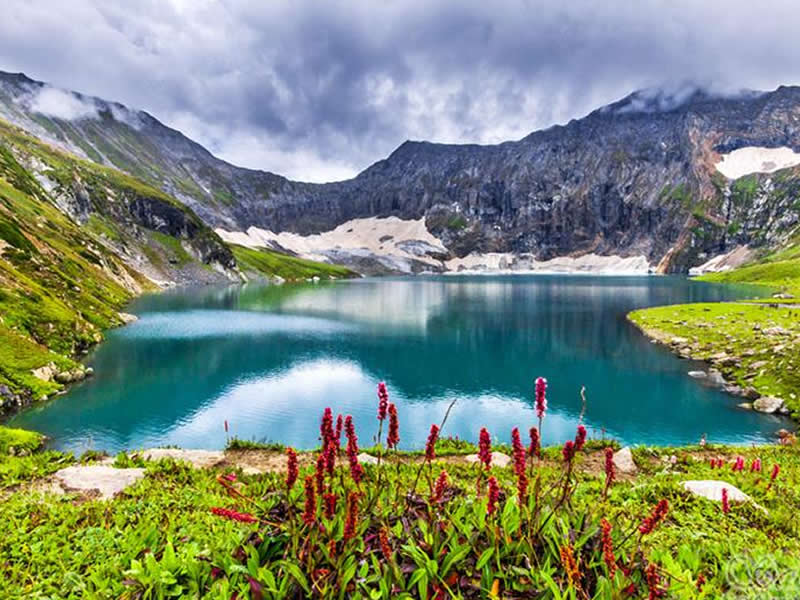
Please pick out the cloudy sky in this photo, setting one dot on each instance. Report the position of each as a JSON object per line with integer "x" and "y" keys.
{"x": 318, "y": 90}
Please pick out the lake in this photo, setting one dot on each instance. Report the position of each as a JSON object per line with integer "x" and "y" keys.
{"x": 268, "y": 359}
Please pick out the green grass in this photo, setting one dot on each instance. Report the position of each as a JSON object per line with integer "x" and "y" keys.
{"x": 19, "y": 441}
{"x": 159, "y": 540}
{"x": 290, "y": 268}
{"x": 783, "y": 275}
{"x": 770, "y": 363}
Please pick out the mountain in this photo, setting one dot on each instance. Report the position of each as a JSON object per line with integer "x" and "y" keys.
{"x": 77, "y": 241}
{"x": 637, "y": 178}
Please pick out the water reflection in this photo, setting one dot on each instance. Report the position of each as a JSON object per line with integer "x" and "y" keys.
{"x": 268, "y": 359}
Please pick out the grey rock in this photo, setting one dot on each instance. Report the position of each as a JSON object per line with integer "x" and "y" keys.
{"x": 697, "y": 374}
{"x": 106, "y": 480}
{"x": 768, "y": 404}
{"x": 367, "y": 459}
{"x": 623, "y": 461}
{"x": 712, "y": 490}
{"x": 498, "y": 459}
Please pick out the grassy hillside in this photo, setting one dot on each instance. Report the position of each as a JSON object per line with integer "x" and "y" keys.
{"x": 290, "y": 268}
{"x": 77, "y": 242}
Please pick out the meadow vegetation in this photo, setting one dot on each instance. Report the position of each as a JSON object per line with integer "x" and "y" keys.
{"x": 556, "y": 523}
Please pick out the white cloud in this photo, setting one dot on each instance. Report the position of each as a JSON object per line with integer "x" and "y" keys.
{"x": 60, "y": 104}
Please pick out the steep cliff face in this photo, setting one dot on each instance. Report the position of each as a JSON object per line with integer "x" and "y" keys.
{"x": 635, "y": 178}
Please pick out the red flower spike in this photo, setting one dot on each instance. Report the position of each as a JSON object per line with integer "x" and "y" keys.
{"x": 430, "y": 446}
{"x": 536, "y": 443}
{"x": 440, "y": 487}
{"x": 393, "y": 437}
{"x": 485, "y": 448}
{"x": 494, "y": 495}
{"x": 326, "y": 427}
{"x": 351, "y": 521}
{"x": 580, "y": 438}
{"x": 756, "y": 465}
{"x": 726, "y": 506}
{"x": 541, "y": 397}
{"x": 383, "y": 401}
{"x": 309, "y": 515}
{"x": 386, "y": 549}
{"x": 654, "y": 582}
{"x": 330, "y": 505}
{"x": 291, "y": 467}
{"x": 519, "y": 465}
{"x": 356, "y": 470}
{"x": 568, "y": 452}
{"x": 608, "y": 548}
{"x": 609, "y": 466}
{"x": 739, "y": 464}
{"x": 338, "y": 435}
{"x": 233, "y": 515}
{"x": 658, "y": 514}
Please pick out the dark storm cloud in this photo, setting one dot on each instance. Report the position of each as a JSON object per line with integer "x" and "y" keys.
{"x": 318, "y": 90}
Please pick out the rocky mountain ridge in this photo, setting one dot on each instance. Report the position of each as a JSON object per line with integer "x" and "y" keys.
{"x": 636, "y": 178}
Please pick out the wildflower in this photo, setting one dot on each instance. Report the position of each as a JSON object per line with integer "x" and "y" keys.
{"x": 330, "y": 505}
{"x": 326, "y": 427}
{"x": 386, "y": 549}
{"x": 233, "y": 515}
{"x": 351, "y": 520}
{"x": 356, "y": 470}
{"x": 580, "y": 438}
{"x": 291, "y": 467}
{"x": 756, "y": 465}
{"x": 712, "y": 462}
{"x": 568, "y": 451}
{"x": 393, "y": 437}
{"x": 440, "y": 487}
{"x": 654, "y": 582}
{"x": 726, "y": 507}
{"x": 608, "y": 547}
{"x": 494, "y": 495}
{"x": 383, "y": 401}
{"x": 739, "y": 464}
{"x": 519, "y": 465}
{"x": 541, "y": 399}
{"x": 570, "y": 565}
{"x": 701, "y": 581}
{"x": 430, "y": 446}
{"x": 774, "y": 475}
{"x": 330, "y": 452}
{"x": 338, "y": 436}
{"x": 229, "y": 477}
{"x": 610, "y": 474}
{"x": 658, "y": 514}
{"x": 320, "y": 472}
{"x": 536, "y": 443}
{"x": 485, "y": 448}
{"x": 311, "y": 502}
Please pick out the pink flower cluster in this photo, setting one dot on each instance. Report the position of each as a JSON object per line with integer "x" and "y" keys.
{"x": 658, "y": 514}
{"x": 485, "y": 448}
{"x": 519, "y": 465}
{"x": 233, "y": 515}
{"x": 383, "y": 401}
{"x": 541, "y": 398}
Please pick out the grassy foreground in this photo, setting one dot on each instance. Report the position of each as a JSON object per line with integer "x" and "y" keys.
{"x": 555, "y": 523}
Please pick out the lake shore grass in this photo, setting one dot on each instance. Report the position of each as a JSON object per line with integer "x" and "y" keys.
{"x": 232, "y": 529}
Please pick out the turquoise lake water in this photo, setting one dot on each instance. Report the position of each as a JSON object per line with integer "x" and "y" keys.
{"x": 268, "y": 359}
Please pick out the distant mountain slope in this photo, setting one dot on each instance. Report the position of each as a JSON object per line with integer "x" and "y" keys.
{"x": 633, "y": 178}
{"x": 77, "y": 241}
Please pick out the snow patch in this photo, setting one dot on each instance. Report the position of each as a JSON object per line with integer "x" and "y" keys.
{"x": 389, "y": 236}
{"x": 588, "y": 263}
{"x": 724, "y": 262}
{"x": 756, "y": 159}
